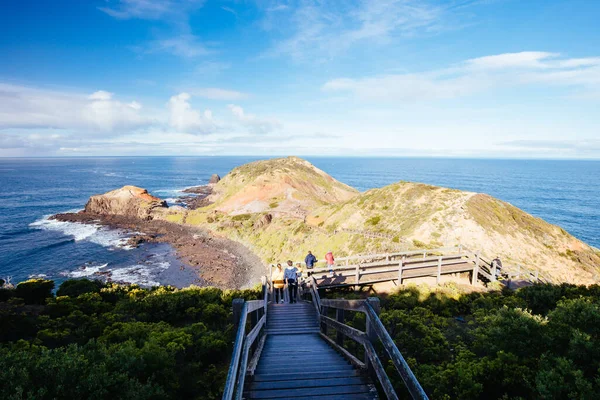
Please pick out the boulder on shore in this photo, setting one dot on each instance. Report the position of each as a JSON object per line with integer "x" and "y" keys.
{"x": 130, "y": 201}
{"x": 215, "y": 178}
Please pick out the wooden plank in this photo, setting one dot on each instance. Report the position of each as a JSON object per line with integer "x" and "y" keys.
{"x": 387, "y": 386}
{"x": 372, "y": 395}
{"x": 257, "y": 355}
{"x": 352, "y": 333}
{"x": 251, "y": 337}
{"x": 285, "y": 376}
{"x": 240, "y": 304}
{"x": 353, "y": 360}
{"x": 254, "y": 305}
{"x": 323, "y": 381}
{"x": 339, "y": 317}
{"x": 319, "y": 391}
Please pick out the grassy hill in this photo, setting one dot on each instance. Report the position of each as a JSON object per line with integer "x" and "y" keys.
{"x": 312, "y": 211}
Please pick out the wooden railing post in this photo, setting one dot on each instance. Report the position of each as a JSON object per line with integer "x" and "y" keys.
{"x": 339, "y": 316}
{"x": 323, "y": 324}
{"x": 357, "y": 275}
{"x": 237, "y": 304}
{"x": 370, "y": 331}
{"x": 439, "y": 271}
{"x": 400, "y": 272}
{"x": 475, "y": 270}
{"x": 494, "y": 269}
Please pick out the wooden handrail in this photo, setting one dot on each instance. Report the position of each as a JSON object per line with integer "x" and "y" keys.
{"x": 375, "y": 331}
{"x": 237, "y": 350}
{"x": 411, "y": 382}
{"x": 238, "y": 367}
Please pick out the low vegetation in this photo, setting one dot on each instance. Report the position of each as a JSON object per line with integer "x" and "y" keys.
{"x": 540, "y": 342}
{"x": 99, "y": 341}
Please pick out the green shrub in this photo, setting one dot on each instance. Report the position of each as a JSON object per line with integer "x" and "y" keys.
{"x": 418, "y": 244}
{"x": 34, "y": 291}
{"x": 374, "y": 220}
{"x": 241, "y": 217}
{"x": 75, "y": 287}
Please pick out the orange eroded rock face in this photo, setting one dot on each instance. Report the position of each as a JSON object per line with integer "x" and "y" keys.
{"x": 130, "y": 201}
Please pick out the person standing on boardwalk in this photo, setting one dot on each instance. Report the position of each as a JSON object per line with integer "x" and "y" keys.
{"x": 278, "y": 283}
{"x": 291, "y": 279}
{"x": 330, "y": 261}
{"x": 498, "y": 263}
{"x": 310, "y": 260}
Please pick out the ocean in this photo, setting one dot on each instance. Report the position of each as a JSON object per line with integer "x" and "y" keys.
{"x": 566, "y": 193}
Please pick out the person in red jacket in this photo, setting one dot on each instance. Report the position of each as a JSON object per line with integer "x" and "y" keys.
{"x": 330, "y": 260}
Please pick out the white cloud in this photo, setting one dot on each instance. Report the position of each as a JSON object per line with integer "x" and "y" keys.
{"x": 252, "y": 122}
{"x": 474, "y": 76}
{"x": 185, "y": 45}
{"x": 150, "y": 9}
{"x": 184, "y": 118}
{"x": 323, "y": 30}
{"x": 218, "y": 94}
{"x": 24, "y": 107}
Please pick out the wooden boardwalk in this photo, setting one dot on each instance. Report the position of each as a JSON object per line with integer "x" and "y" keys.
{"x": 296, "y": 363}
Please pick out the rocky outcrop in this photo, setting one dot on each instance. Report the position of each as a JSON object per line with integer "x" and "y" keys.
{"x": 214, "y": 179}
{"x": 281, "y": 186}
{"x": 263, "y": 221}
{"x": 129, "y": 201}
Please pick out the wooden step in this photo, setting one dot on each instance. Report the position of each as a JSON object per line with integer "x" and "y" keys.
{"x": 323, "y": 381}
{"x": 309, "y": 391}
{"x": 323, "y": 368}
{"x": 284, "y": 376}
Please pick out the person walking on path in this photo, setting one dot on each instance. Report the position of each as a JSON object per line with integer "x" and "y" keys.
{"x": 291, "y": 279}
{"x": 330, "y": 261}
{"x": 278, "y": 284}
{"x": 498, "y": 263}
{"x": 310, "y": 260}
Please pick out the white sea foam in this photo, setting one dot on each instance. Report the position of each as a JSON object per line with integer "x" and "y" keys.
{"x": 37, "y": 276}
{"x": 85, "y": 271}
{"x": 90, "y": 232}
{"x": 143, "y": 275}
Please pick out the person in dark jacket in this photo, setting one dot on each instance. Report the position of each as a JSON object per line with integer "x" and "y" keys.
{"x": 310, "y": 260}
{"x": 498, "y": 263}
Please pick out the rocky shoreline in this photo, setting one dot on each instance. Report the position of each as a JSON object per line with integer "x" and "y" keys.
{"x": 217, "y": 261}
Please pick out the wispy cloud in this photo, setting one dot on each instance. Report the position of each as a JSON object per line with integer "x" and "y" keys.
{"x": 324, "y": 30}
{"x": 229, "y": 10}
{"x": 475, "y": 76}
{"x": 187, "y": 46}
{"x": 150, "y": 9}
{"x": 180, "y": 42}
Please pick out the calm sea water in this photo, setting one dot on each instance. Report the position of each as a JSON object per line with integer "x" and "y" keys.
{"x": 566, "y": 193}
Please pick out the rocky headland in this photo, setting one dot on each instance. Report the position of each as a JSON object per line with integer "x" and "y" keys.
{"x": 273, "y": 210}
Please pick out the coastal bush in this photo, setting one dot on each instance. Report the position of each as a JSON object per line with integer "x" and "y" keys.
{"x": 96, "y": 341}
{"x": 540, "y": 342}
{"x": 75, "y": 287}
{"x": 374, "y": 220}
{"x": 34, "y": 291}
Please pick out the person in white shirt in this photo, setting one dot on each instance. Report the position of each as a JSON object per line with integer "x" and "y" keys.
{"x": 291, "y": 279}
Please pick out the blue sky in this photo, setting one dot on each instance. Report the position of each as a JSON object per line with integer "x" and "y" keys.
{"x": 461, "y": 78}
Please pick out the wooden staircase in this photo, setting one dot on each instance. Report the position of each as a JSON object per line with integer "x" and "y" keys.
{"x": 296, "y": 363}
{"x": 287, "y": 351}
